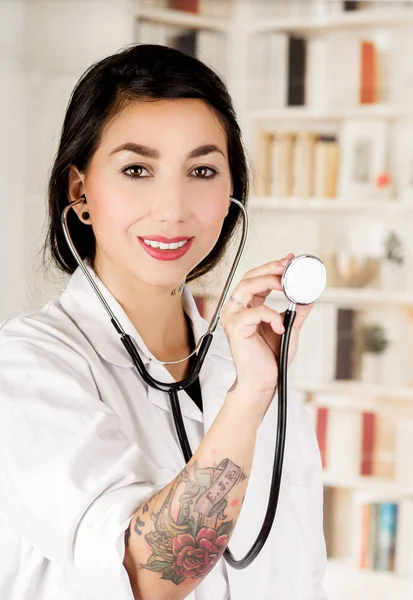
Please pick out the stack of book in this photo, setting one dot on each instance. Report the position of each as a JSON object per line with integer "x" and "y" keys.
{"x": 378, "y": 534}
{"x": 301, "y": 164}
{"x": 286, "y": 70}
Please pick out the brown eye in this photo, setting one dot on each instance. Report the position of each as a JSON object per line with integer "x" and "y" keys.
{"x": 136, "y": 172}
{"x": 204, "y": 172}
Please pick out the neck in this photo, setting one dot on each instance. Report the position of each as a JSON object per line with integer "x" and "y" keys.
{"x": 156, "y": 312}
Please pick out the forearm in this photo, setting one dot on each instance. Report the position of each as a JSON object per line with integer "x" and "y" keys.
{"x": 177, "y": 536}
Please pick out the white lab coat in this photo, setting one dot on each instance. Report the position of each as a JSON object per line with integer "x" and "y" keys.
{"x": 83, "y": 442}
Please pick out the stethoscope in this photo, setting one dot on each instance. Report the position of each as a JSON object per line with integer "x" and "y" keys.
{"x": 303, "y": 282}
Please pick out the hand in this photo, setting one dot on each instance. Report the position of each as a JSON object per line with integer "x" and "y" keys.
{"x": 254, "y": 330}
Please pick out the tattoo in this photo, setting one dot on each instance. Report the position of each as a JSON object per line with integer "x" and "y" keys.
{"x": 177, "y": 290}
{"x": 138, "y": 525}
{"x": 191, "y": 530}
{"x": 127, "y": 537}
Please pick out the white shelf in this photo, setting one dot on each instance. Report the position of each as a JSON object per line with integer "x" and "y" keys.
{"x": 356, "y": 297}
{"x": 353, "y": 20}
{"x": 357, "y": 389}
{"x": 344, "y": 581}
{"x": 304, "y": 113}
{"x": 329, "y": 205}
{"x": 338, "y": 296}
{"x": 182, "y": 18}
{"x": 371, "y": 485}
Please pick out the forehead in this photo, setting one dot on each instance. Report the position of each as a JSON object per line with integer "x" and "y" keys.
{"x": 187, "y": 122}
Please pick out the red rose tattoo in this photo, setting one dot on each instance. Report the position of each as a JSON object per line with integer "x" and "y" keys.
{"x": 195, "y": 557}
{"x": 188, "y": 541}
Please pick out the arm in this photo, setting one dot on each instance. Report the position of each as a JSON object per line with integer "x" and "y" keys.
{"x": 177, "y": 536}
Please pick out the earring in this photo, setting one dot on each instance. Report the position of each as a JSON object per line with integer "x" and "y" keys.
{"x": 85, "y": 214}
{"x": 85, "y": 217}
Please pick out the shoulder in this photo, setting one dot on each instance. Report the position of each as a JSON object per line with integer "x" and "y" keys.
{"x": 48, "y": 330}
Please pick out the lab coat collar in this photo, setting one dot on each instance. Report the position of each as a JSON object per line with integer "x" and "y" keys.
{"x": 81, "y": 303}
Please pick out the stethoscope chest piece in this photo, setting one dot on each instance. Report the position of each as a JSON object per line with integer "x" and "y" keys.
{"x": 304, "y": 279}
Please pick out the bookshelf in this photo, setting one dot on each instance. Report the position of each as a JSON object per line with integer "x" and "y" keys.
{"x": 180, "y": 18}
{"x": 354, "y": 20}
{"x": 329, "y": 205}
{"x": 306, "y": 223}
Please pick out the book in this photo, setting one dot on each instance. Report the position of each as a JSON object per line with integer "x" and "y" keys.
{"x": 368, "y": 73}
{"x": 404, "y": 539}
{"x": 326, "y": 166}
{"x": 185, "y": 42}
{"x": 296, "y": 71}
{"x": 317, "y": 82}
{"x": 367, "y": 443}
{"x": 303, "y": 164}
{"x": 386, "y": 538}
{"x": 345, "y": 363}
{"x": 365, "y": 545}
{"x": 384, "y": 446}
{"x": 275, "y": 63}
{"x": 280, "y": 164}
{"x": 187, "y": 5}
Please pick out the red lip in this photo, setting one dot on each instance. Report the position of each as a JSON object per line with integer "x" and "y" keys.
{"x": 166, "y": 254}
{"x": 160, "y": 238}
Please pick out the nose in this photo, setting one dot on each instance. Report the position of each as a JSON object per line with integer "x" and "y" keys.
{"x": 169, "y": 204}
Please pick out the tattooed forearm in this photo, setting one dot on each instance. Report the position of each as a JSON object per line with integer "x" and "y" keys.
{"x": 191, "y": 528}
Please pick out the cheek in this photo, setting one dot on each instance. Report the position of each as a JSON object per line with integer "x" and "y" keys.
{"x": 114, "y": 206}
{"x": 211, "y": 216}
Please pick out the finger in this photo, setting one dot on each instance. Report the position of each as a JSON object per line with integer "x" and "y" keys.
{"x": 269, "y": 267}
{"x": 244, "y": 323}
{"x": 256, "y": 287}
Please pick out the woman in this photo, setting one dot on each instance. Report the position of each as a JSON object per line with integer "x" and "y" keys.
{"x": 96, "y": 499}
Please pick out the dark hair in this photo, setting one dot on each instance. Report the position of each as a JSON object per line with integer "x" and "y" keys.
{"x": 146, "y": 72}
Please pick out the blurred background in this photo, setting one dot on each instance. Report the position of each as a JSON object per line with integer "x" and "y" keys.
{"x": 324, "y": 93}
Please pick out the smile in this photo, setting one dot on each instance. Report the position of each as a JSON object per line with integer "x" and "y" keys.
{"x": 162, "y": 250}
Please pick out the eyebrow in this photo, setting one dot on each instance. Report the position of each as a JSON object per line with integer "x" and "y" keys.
{"x": 149, "y": 152}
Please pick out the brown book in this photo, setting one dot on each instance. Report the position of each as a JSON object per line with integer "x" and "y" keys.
{"x": 368, "y": 73}
{"x": 188, "y": 5}
{"x": 345, "y": 355}
{"x": 326, "y": 164}
{"x": 281, "y": 164}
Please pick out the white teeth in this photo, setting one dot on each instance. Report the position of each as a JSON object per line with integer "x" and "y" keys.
{"x": 163, "y": 246}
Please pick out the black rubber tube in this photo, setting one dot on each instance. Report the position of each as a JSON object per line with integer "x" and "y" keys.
{"x": 269, "y": 518}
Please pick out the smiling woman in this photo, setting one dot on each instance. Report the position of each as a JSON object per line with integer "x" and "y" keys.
{"x": 96, "y": 499}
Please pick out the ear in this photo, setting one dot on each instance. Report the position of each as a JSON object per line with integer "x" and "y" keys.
{"x": 76, "y": 188}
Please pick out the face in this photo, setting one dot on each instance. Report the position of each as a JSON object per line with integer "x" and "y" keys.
{"x": 158, "y": 190}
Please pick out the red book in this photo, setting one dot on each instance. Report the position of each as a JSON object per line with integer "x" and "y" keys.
{"x": 188, "y": 5}
{"x": 368, "y": 74}
{"x": 321, "y": 432}
{"x": 367, "y": 443}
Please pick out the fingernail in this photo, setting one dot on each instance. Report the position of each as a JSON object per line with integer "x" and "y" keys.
{"x": 284, "y": 263}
